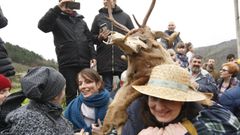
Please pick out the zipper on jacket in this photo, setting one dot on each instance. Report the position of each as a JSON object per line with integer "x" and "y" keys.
{"x": 112, "y": 51}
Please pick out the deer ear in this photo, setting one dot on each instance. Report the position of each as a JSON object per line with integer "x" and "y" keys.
{"x": 160, "y": 34}
{"x": 129, "y": 45}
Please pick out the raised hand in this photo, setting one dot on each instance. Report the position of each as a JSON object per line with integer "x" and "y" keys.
{"x": 151, "y": 131}
{"x": 175, "y": 129}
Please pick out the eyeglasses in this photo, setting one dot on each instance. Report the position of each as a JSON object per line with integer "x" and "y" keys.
{"x": 224, "y": 70}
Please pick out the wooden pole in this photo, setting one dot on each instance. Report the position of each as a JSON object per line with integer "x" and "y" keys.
{"x": 237, "y": 26}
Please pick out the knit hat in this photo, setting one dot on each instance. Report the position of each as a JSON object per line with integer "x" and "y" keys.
{"x": 42, "y": 83}
{"x": 4, "y": 82}
{"x": 170, "y": 82}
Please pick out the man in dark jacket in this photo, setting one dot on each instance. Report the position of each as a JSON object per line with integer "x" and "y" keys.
{"x": 6, "y": 67}
{"x": 73, "y": 42}
{"x": 109, "y": 62}
{"x": 169, "y": 32}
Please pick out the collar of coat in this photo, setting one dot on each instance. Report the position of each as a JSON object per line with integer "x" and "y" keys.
{"x": 115, "y": 10}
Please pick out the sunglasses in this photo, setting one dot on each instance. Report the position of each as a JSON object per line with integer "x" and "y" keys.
{"x": 224, "y": 70}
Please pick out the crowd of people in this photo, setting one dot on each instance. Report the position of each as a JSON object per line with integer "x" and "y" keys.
{"x": 189, "y": 97}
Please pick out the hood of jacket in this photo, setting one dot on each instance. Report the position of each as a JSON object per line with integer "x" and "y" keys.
{"x": 115, "y": 10}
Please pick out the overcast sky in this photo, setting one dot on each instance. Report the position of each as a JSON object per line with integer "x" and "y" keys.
{"x": 202, "y": 22}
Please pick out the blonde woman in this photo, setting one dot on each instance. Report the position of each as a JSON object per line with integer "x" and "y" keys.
{"x": 228, "y": 78}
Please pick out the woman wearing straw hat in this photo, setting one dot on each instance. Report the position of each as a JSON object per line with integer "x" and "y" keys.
{"x": 170, "y": 106}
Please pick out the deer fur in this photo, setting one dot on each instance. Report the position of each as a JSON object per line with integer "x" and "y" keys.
{"x": 143, "y": 53}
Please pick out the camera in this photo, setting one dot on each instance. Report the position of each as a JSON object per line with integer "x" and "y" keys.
{"x": 73, "y": 5}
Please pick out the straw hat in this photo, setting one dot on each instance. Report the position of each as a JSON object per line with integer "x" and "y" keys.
{"x": 170, "y": 82}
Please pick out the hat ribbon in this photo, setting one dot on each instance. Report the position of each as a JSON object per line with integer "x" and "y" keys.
{"x": 168, "y": 84}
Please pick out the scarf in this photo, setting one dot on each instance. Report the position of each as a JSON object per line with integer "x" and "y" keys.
{"x": 99, "y": 101}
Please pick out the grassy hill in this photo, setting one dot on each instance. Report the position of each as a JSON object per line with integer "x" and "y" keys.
{"x": 24, "y": 59}
{"x": 218, "y": 52}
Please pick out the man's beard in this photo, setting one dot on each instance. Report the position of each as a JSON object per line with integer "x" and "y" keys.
{"x": 210, "y": 67}
{"x": 196, "y": 69}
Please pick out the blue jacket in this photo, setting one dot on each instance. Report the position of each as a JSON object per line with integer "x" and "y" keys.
{"x": 230, "y": 99}
{"x": 207, "y": 83}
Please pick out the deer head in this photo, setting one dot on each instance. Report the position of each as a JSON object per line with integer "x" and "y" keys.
{"x": 143, "y": 53}
{"x": 136, "y": 39}
{"x": 140, "y": 44}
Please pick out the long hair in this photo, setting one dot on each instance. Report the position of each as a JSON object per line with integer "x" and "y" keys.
{"x": 89, "y": 73}
{"x": 189, "y": 110}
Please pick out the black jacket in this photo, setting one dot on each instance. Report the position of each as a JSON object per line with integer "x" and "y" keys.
{"x": 12, "y": 102}
{"x": 72, "y": 38}
{"x": 3, "y": 19}
{"x": 109, "y": 56}
{"x": 6, "y": 67}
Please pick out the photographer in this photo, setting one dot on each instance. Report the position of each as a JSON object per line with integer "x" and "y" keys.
{"x": 73, "y": 42}
{"x": 6, "y": 67}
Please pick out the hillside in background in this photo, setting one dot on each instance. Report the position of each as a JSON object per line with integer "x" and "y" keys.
{"x": 23, "y": 58}
{"x": 218, "y": 52}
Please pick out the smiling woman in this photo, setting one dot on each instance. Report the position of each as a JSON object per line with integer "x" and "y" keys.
{"x": 170, "y": 105}
{"x": 91, "y": 105}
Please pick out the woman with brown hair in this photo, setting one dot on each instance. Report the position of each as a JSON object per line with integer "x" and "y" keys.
{"x": 91, "y": 105}
{"x": 170, "y": 106}
{"x": 228, "y": 78}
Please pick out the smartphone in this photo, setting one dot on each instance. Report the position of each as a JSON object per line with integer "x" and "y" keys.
{"x": 103, "y": 27}
{"x": 73, "y": 5}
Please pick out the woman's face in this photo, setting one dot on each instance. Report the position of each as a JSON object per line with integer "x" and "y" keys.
{"x": 4, "y": 93}
{"x": 224, "y": 73}
{"x": 87, "y": 86}
{"x": 164, "y": 110}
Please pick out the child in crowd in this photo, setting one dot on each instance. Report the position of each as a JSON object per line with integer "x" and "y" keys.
{"x": 181, "y": 56}
{"x": 190, "y": 51}
{"x": 8, "y": 102}
{"x": 5, "y": 86}
{"x": 172, "y": 53}
{"x": 45, "y": 87}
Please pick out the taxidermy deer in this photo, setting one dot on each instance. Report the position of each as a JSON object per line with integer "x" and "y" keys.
{"x": 143, "y": 53}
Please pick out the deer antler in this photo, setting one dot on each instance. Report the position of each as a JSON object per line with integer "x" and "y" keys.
{"x": 148, "y": 13}
{"x": 136, "y": 21}
{"x": 116, "y": 24}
